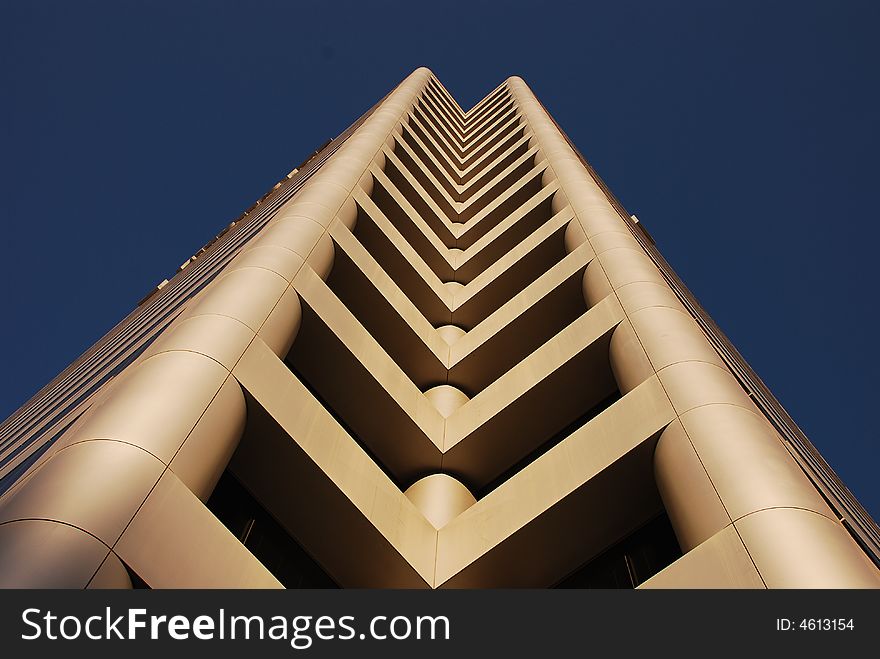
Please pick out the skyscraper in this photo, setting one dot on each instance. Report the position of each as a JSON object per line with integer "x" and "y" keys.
{"x": 439, "y": 353}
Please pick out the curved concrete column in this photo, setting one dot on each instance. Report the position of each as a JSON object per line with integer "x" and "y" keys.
{"x": 162, "y": 435}
{"x": 50, "y": 554}
{"x": 574, "y": 234}
{"x": 446, "y": 398}
{"x": 720, "y": 463}
{"x": 440, "y": 498}
{"x": 450, "y": 333}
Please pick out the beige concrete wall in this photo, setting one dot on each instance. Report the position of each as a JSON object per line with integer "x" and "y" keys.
{"x": 446, "y": 362}
{"x": 720, "y": 466}
{"x": 178, "y": 402}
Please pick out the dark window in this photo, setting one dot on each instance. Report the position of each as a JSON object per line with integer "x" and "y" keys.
{"x": 631, "y": 561}
{"x": 264, "y": 537}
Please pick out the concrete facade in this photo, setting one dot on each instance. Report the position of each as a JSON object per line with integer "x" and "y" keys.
{"x": 438, "y": 355}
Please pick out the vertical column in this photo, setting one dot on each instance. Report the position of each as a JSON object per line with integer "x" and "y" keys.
{"x": 129, "y": 480}
{"x": 720, "y": 467}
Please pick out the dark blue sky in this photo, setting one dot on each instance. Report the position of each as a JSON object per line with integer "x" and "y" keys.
{"x": 743, "y": 134}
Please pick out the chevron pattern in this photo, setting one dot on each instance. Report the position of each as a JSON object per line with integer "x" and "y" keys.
{"x": 455, "y": 312}
{"x": 437, "y": 356}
